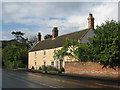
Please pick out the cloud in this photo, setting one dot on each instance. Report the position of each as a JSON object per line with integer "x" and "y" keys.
{"x": 69, "y": 17}
{"x": 61, "y": 0}
{"x": 37, "y": 11}
{"x": 8, "y": 35}
{"x": 105, "y": 11}
{"x": 5, "y": 35}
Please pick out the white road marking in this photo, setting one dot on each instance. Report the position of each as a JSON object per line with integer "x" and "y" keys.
{"x": 105, "y": 85}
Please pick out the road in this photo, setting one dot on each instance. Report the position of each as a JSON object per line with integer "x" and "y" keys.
{"x": 22, "y": 79}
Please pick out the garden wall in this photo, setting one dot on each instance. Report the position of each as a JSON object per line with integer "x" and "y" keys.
{"x": 90, "y": 68}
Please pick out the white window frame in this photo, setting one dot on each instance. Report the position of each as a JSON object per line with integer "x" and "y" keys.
{"x": 35, "y": 54}
{"x": 35, "y": 64}
{"x": 54, "y": 51}
{"x": 53, "y": 63}
{"x": 44, "y": 63}
{"x": 44, "y": 53}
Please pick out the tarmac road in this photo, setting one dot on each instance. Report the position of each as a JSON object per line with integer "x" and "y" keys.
{"x": 22, "y": 79}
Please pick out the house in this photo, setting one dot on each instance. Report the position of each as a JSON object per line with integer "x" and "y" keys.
{"x": 43, "y": 51}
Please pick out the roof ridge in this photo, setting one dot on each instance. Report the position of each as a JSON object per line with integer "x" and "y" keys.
{"x": 65, "y": 34}
{"x": 73, "y": 32}
{"x": 58, "y": 41}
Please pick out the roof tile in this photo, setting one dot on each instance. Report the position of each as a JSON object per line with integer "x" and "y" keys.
{"x": 58, "y": 41}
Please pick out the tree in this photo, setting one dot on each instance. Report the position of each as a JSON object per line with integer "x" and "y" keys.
{"x": 73, "y": 49}
{"x": 18, "y": 35}
{"x": 60, "y": 54}
{"x": 14, "y": 56}
{"x": 48, "y": 36}
{"x": 69, "y": 49}
{"x": 32, "y": 40}
{"x": 82, "y": 53}
{"x": 104, "y": 46}
{"x": 11, "y": 57}
{"x": 15, "y": 52}
{"x": 21, "y": 41}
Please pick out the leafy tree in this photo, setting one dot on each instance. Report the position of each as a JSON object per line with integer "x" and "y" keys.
{"x": 82, "y": 53}
{"x": 14, "y": 56}
{"x": 70, "y": 49}
{"x": 48, "y": 36}
{"x": 18, "y": 35}
{"x": 10, "y": 57}
{"x": 104, "y": 46}
{"x": 15, "y": 52}
{"x": 60, "y": 54}
{"x": 21, "y": 41}
{"x": 73, "y": 49}
{"x": 8, "y": 43}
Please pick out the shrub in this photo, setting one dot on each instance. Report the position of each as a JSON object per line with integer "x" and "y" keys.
{"x": 33, "y": 67}
{"x": 54, "y": 69}
{"x": 44, "y": 68}
{"x": 40, "y": 68}
{"x": 9, "y": 64}
{"x": 12, "y": 64}
{"x": 17, "y": 64}
{"x": 49, "y": 68}
{"x": 23, "y": 66}
{"x": 62, "y": 69}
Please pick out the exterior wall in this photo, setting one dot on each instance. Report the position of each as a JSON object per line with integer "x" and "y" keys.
{"x": 89, "y": 68}
{"x": 87, "y": 35}
{"x": 68, "y": 59}
{"x": 40, "y": 58}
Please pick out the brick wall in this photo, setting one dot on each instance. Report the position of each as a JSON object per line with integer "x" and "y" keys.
{"x": 90, "y": 68}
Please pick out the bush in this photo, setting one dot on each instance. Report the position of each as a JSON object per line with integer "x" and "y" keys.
{"x": 40, "y": 68}
{"x": 49, "y": 68}
{"x": 33, "y": 68}
{"x": 17, "y": 64}
{"x": 9, "y": 64}
{"x": 54, "y": 69}
{"x": 44, "y": 68}
{"x": 23, "y": 66}
{"x": 62, "y": 69}
{"x": 12, "y": 64}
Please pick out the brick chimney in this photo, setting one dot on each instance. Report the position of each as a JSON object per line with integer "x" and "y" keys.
{"x": 39, "y": 37}
{"x": 54, "y": 32}
{"x": 90, "y": 21}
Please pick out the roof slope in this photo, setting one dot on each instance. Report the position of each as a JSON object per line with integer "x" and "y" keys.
{"x": 58, "y": 41}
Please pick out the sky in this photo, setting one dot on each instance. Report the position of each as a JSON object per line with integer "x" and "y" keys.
{"x": 33, "y": 17}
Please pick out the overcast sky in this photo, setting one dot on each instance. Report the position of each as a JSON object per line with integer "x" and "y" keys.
{"x": 34, "y": 17}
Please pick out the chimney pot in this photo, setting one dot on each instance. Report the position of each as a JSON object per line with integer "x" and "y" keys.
{"x": 54, "y": 32}
{"x": 90, "y": 21}
{"x": 39, "y": 37}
